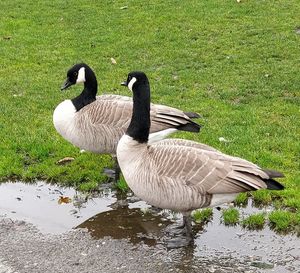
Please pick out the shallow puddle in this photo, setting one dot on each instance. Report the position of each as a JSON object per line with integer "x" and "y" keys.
{"x": 54, "y": 209}
{"x": 51, "y": 208}
{"x": 125, "y": 222}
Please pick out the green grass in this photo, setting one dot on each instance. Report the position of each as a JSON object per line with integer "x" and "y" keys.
{"x": 121, "y": 185}
{"x": 202, "y": 216}
{"x": 254, "y": 221}
{"x": 262, "y": 197}
{"x": 237, "y": 64}
{"x": 230, "y": 216}
{"x": 241, "y": 199}
{"x": 284, "y": 221}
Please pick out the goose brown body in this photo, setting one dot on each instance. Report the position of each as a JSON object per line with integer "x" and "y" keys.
{"x": 186, "y": 175}
{"x": 99, "y": 126}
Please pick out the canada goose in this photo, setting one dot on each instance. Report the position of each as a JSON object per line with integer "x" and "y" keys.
{"x": 96, "y": 123}
{"x": 178, "y": 174}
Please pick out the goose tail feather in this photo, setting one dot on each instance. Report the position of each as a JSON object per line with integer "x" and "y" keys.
{"x": 273, "y": 185}
{"x": 190, "y": 127}
{"x": 273, "y": 174}
{"x": 192, "y": 114}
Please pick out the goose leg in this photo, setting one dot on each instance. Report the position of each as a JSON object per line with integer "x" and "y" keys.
{"x": 185, "y": 233}
{"x": 117, "y": 169}
{"x": 115, "y": 172}
{"x": 176, "y": 229}
{"x": 187, "y": 222}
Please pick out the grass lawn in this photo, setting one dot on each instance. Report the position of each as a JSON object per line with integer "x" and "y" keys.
{"x": 235, "y": 63}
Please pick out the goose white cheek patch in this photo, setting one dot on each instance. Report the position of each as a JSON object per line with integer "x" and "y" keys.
{"x": 81, "y": 75}
{"x": 131, "y": 83}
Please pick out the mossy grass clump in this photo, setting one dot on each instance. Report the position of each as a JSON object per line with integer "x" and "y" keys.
{"x": 262, "y": 197}
{"x": 202, "y": 216}
{"x": 292, "y": 203}
{"x": 88, "y": 186}
{"x": 284, "y": 221}
{"x": 254, "y": 221}
{"x": 241, "y": 199}
{"x": 121, "y": 185}
{"x": 230, "y": 216}
{"x": 290, "y": 200}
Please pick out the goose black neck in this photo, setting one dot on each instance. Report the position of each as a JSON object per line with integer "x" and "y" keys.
{"x": 140, "y": 121}
{"x": 88, "y": 94}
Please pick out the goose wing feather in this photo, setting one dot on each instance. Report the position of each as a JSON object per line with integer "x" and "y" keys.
{"x": 208, "y": 171}
{"x": 186, "y": 143}
{"x": 115, "y": 111}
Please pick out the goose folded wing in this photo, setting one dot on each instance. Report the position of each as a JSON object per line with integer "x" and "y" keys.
{"x": 185, "y": 143}
{"x": 111, "y": 113}
{"x": 115, "y": 111}
{"x": 207, "y": 171}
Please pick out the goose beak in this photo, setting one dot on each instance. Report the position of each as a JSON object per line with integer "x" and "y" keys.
{"x": 124, "y": 83}
{"x": 66, "y": 85}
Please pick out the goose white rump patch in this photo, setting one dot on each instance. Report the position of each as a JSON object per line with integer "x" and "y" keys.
{"x": 157, "y": 136}
{"x": 221, "y": 198}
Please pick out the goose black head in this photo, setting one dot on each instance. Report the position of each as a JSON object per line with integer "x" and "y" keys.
{"x": 135, "y": 79}
{"x": 76, "y": 74}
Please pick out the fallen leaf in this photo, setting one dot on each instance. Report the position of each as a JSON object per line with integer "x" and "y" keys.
{"x": 65, "y": 160}
{"x": 223, "y": 139}
{"x": 113, "y": 61}
{"x": 124, "y": 7}
{"x": 64, "y": 200}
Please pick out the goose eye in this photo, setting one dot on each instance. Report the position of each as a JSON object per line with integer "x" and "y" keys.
{"x": 129, "y": 78}
{"x": 75, "y": 73}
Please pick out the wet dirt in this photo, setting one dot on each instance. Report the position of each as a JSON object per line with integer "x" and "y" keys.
{"x": 56, "y": 210}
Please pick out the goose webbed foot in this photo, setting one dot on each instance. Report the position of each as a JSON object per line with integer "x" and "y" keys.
{"x": 179, "y": 241}
{"x": 176, "y": 229}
